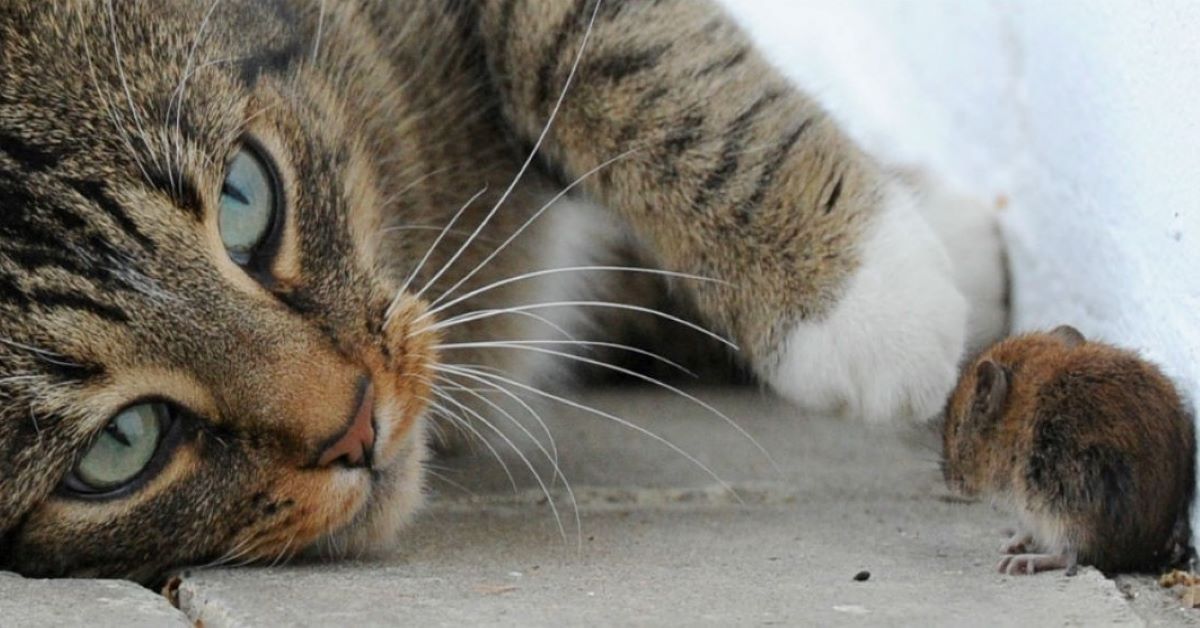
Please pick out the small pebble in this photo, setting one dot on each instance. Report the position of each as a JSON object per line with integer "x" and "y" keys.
{"x": 862, "y": 576}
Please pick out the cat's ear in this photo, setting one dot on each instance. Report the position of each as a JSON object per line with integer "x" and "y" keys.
{"x": 1068, "y": 335}
{"x": 991, "y": 391}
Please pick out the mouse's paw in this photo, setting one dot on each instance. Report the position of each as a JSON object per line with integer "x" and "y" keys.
{"x": 1020, "y": 543}
{"x": 1029, "y": 564}
{"x": 889, "y": 348}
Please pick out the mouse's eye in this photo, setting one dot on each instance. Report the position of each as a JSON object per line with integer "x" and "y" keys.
{"x": 249, "y": 204}
{"x": 123, "y": 450}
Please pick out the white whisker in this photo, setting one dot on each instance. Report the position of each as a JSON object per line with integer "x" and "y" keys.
{"x": 429, "y": 253}
{"x": 482, "y": 314}
{"x": 547, "y": 322}
{"x": 537, "y": 145}
{"x": 176, "y": 100}
{"x": 656, "y": 382}
{"x": 496, "y": 388}
{"x": 42, "y": 354}
{"x": 465, "y": 424}
{"x": 558, "y": 472}
{"x": 118, "y": 121}
{"x": 442, "y": 477}
{"x": 133, "y": 109}
{"x": 555, "y": 271}
{"x": 239, "y": 131}
{"x": 233, "y": 553}
{"x": 418, "y": 181}
{"x": 436, "y": 431}
{"x": 582, "y": 343}
{"x": 37, "y": 428}
{"x": 20, "y": 378}
{"x": 528, "y": 222}
{"x": 416, "y": 228}
{"x": 397, "y": 228}
{"x": 460, "y": 369}
{"x": 320, "y": 31}
{"x": 517, "y": 450}
{"x": 283, "y": 555}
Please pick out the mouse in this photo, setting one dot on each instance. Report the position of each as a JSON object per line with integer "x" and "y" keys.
{"x": 1091, "y": 445}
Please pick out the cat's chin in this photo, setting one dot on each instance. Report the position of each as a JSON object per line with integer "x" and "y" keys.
{"x": 396, "y": 494}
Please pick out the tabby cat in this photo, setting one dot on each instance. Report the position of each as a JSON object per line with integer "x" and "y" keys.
{"x": 248, "y": 248}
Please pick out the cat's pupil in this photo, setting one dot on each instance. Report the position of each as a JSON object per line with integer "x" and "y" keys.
{"x": 235, "y": 193}
{"x": 117, "y": 432}
{"x": 247, "y": 206}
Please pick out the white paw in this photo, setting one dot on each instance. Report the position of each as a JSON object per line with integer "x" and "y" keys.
{"x": 967, "y": 228}
{"x": 890, "y": 348}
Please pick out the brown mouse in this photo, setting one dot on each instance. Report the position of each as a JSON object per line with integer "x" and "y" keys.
{"x": 1090, "y": 444}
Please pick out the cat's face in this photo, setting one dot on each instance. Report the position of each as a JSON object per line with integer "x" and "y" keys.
{"x": 192, "y": 304}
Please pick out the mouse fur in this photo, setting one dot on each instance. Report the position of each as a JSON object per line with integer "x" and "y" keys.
{"x": 1090, "y": 444}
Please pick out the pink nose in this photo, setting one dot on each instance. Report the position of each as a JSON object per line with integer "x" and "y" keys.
{"x": 353, "y": 448}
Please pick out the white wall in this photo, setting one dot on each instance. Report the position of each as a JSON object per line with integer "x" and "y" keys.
{"x": 1081, "y": 116}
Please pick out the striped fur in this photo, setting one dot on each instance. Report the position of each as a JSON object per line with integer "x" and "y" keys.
{"x": 384, "y": 117}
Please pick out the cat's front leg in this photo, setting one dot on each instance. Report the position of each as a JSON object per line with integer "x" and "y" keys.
{"x": 836, "y": 289}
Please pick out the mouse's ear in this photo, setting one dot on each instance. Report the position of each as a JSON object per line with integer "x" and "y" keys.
{"x": 1068, "y": 335}
{"x": 991, "y": 389}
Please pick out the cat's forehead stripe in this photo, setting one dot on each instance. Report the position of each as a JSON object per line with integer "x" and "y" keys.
{"x": 101, "y": 197}
{"x": 33, "y": 158}
{"x": 42, "y": 235}
{"x": 276, "y": 61}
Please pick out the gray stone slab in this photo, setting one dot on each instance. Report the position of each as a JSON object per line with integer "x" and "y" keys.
{"x": 684, "y": 567}
{"x": 28, "y": 603}
{"x": 660, "y": 542}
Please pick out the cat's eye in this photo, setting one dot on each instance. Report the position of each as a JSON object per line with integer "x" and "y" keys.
{"x": 123, "y": 450}
{"x": 249, "y": 204}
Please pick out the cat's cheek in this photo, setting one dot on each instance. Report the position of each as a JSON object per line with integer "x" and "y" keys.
{"x": 889, "y": 348}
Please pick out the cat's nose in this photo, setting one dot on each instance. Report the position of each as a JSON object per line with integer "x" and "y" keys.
{"x": 353, "y": 448}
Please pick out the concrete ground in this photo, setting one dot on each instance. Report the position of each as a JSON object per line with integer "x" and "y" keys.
{"x": 658, "y": 541}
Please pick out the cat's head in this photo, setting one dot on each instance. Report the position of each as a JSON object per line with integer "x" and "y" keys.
{"x": 202, "y": 356}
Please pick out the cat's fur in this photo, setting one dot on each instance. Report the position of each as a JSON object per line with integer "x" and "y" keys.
{"x": 383, "y": 117}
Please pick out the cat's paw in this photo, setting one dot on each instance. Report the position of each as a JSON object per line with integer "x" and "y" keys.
{"x": 967, "y": 227}
{"x": 889, "y": 349}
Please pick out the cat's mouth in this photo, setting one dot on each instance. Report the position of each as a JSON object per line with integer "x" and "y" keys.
{"x": 387, "y": 489}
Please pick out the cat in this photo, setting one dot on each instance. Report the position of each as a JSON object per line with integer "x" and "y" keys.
{"x": 250, "y": 249}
